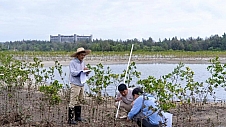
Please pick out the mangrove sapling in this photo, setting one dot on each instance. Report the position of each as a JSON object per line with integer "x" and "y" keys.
{"x": 132, "y": 74}
{"x": 168, "y": 87}
{"x": 185, "y": 75}
{"x": 13, "y": 69}
{"x": 51, "y": 95}
{"x": 14, "y": 78}
{"x": 99, "y": 81}
{"x": 217, "y": 79}
{"x": 106, "y": 80}
{"x": 51, "y": 92}
{"x": 103, "y": 78}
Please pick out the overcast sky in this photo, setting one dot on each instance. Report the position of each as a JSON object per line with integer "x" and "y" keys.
{"x": 111, "y": 19}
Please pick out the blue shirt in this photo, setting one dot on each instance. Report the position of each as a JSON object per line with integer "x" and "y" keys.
{"x": 75, "y": 70}
{"x": 149, "y": 101}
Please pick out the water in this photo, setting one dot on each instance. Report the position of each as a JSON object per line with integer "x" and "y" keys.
{"x": 156, "y": 70}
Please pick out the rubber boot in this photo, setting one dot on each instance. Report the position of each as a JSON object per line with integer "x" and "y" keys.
{"x": 78, "y": 113}
{"x": 71, "y": 114}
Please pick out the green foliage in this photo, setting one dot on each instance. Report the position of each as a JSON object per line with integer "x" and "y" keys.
{"x": 23, "y": 78}
{"x": 17, "y": 73}
{"x": 14, "y": 73}
{"x": 51, "y": 92}
{"x": 100, "y": 80}
{"x": 104, "y": 77}
{"x": 169, "y": 87}
{"x": 217, "y": 79}
{"x": 132, "y": 73}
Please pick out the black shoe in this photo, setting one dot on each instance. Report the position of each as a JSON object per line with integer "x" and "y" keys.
{"x": 70, "y": 116}
{"x": 77, "y": 110}
{"x": 72, "y": 122}
{"x": 81, "y": 119}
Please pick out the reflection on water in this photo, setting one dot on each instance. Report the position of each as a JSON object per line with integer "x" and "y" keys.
{"x": 156, "y": 70}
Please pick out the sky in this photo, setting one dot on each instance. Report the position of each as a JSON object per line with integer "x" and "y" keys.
{"x": 111, "y": 19}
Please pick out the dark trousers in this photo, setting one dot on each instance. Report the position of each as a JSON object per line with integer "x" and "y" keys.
{"x": 142, "y": 121}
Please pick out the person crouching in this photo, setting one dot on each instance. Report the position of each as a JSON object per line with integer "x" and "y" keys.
{"x": 145, "y": 110}
{"x": 124, "y": 97}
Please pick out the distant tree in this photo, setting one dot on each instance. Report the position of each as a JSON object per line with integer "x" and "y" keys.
{"x": 214, "y": 42}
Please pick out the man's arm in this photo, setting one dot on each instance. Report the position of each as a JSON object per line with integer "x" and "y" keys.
{"x": 136, "y": 107}
{"x": 118, "y": 97}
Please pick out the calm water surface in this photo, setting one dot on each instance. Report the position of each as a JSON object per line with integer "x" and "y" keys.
{"x": 156, "y": 70}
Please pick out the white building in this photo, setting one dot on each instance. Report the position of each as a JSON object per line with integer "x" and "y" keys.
{"x": 70, "y": 38}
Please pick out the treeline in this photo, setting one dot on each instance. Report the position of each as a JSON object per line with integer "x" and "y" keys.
{"x": 212, "y": 43}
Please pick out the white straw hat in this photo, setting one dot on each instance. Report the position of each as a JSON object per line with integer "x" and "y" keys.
{"x": 81, "y": 49}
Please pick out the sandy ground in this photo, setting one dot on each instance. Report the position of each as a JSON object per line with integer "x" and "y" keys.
{"x": 35, "y": 111}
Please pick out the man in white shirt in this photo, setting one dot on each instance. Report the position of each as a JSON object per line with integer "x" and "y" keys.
{"x": 125, "y": 96}
{"x": 77, "y": 87}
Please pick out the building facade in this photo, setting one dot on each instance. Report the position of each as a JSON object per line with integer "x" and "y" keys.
{"x": 70, "y": 38}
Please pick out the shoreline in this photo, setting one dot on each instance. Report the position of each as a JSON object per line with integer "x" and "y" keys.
{"x": 137, "y": 61}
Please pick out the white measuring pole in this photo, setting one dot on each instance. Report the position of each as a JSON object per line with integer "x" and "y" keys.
{"x": 116, "y": 116}
{"x": 69, "y": 77}
{"x": 128, "y": 64}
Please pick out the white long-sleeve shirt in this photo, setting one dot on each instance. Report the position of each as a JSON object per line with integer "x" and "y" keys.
{"x": 75, "y": 70}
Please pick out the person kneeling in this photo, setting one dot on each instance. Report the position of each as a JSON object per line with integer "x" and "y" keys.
{"x": 144, "y": 111}
{"x": 124, "y": 97}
